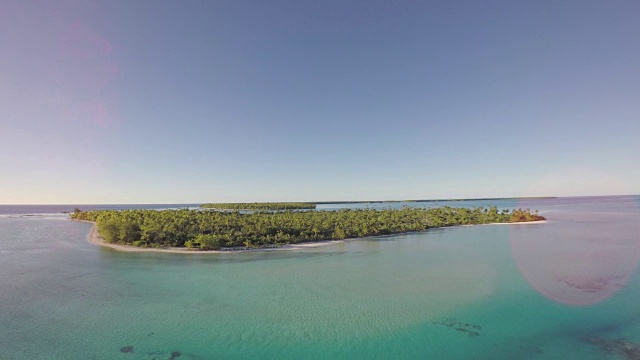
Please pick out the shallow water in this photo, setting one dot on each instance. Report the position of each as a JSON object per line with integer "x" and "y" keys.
{"x": 567, "y": 288}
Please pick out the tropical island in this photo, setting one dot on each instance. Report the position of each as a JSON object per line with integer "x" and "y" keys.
{"x": 235, "y": 230}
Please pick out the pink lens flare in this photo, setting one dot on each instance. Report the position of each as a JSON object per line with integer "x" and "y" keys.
{"x": 580, "y": 257}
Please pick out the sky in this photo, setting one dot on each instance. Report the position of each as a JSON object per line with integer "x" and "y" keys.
{"x": 287, "y": 100}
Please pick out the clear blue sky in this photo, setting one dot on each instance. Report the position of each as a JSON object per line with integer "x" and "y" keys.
{"x": 203, "y": 101}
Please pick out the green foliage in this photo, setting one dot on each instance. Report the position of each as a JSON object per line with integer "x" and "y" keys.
{"x": 339, "y": 234}
{"x": 207, "y": 241}
{"x": 118, "y": 230}
{"x": 129, "y": 231}
{"x": 109, "y": 230}
{"x": 215, "y": 229}
{"x": 261, "y": 206}
{"x": 524, "y": 216}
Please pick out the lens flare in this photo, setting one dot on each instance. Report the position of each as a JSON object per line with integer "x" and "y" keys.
{"x": 585, "y": 252}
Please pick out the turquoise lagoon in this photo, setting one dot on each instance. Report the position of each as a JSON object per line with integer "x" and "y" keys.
{"x": 565, "y": 289}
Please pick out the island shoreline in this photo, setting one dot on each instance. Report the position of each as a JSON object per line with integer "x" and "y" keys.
{"x": 95, "y": 238}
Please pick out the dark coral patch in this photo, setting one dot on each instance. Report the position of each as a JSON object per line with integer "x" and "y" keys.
{"x": 620, "y": 347}
{"x": 472, "y": 330}
{"x": 127, "y": 349}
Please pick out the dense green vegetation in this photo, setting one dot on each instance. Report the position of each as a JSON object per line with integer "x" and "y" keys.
{"x": 261, "y": 206}
{"x": 215, "y": 230}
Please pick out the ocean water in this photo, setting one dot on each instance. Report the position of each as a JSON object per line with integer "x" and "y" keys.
{"x": 565, "y": 289}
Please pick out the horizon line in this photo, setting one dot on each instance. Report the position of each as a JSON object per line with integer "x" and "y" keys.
{"x": 337, "y": 201}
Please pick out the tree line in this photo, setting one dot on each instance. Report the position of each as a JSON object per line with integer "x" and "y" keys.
{"x": 217, "y": 229}
{"x": 261, "y": 206}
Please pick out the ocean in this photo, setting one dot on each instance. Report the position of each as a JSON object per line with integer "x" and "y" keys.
{"x": 564, "y": 289}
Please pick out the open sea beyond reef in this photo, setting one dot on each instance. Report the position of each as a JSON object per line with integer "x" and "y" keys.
{"x": 565, "y": 289}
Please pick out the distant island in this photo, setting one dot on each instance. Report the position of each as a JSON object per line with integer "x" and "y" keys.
{"x": 313, "y": 204}
{"x": 235, "y": 230}
{"x": 261, "y": 206}
{"x": 432, "y": 200}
